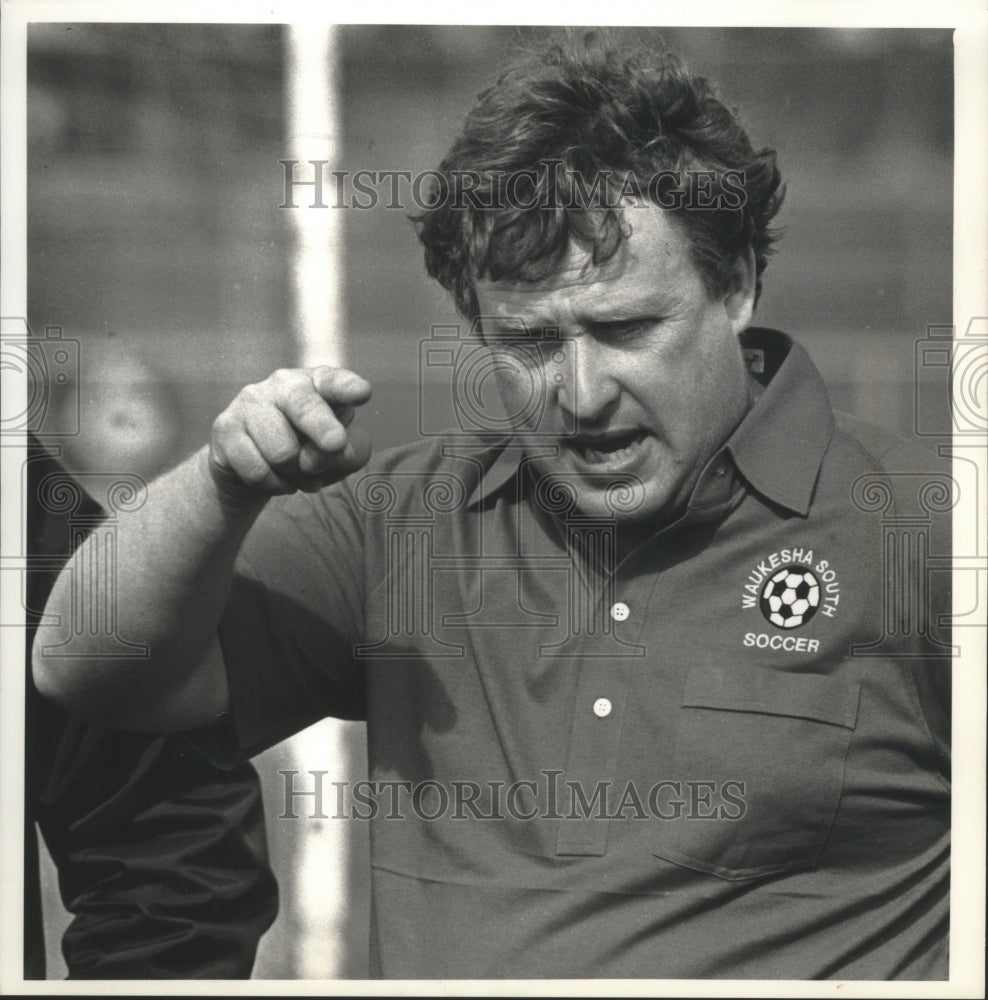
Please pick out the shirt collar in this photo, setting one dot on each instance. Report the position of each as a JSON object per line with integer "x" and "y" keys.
{"x": 777, "y": 449}
{"x": 501, "y": 464}
{"x": 779, "y": 445}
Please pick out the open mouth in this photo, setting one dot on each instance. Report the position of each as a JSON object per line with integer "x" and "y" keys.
{"x": 607, "y": 449}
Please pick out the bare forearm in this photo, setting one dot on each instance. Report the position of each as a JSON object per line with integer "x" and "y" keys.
{"x": 172, "y": 562}
{"x": 174, "y": 556}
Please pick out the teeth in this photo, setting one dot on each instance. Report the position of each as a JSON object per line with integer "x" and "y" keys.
{"x": 598, "y": 456}
{"x": 593, "y": 455}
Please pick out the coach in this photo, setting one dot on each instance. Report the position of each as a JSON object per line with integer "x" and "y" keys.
{"x": 579, "y": 614}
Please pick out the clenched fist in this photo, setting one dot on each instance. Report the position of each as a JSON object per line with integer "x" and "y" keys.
{"x": 290, "y": 432}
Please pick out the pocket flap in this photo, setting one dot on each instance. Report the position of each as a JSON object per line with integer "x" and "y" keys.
{"x": 743, "y": 688}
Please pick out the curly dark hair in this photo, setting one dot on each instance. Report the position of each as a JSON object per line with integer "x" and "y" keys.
{"x": 565, "y": 141}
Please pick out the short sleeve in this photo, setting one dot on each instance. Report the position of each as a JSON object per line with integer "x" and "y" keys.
{"x": 293, "y": 616}
{"x": 924, "y": 491}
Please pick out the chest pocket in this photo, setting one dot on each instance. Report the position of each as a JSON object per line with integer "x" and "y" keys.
{"x": 761, "y": 756}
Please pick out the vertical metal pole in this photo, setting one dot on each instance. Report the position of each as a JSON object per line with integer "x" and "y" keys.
{"x": 317, "y": 899}
{"x": 313, "y": 134}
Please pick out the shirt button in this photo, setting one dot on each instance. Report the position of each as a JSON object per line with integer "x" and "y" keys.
{"x": 721, "y": 470}
{"x": 620, "y": 612}
{"x": 602, "y": 708}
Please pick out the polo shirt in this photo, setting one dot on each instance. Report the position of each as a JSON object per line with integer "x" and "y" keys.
{"x": 585, "y": 763}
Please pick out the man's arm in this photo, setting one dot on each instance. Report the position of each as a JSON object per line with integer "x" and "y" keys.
{"x": 161, "y": 856}
{"x": 175, "y": 556}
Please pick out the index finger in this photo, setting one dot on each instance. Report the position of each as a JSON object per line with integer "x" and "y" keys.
{"x": 320, "y": 407}
{"x": 340, "y": 386}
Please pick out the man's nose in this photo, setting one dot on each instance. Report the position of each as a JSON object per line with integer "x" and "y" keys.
{"x": 584, "y": 382}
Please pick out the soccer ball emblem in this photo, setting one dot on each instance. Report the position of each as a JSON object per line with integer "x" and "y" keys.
{"x": 791, "y": 597}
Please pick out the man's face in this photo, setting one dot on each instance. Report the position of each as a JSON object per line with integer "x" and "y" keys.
{"x": 653, "y": 380}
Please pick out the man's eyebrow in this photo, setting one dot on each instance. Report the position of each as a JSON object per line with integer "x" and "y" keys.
{"x": 657, "y": 303}
{"x": 623, "y": 314}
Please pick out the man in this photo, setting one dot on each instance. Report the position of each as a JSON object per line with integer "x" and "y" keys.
{"x": 161, "y": 856}
{"x": 615, "y": 724}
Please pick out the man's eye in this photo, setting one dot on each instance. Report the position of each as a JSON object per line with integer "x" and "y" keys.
{"x": 627, "y": 330}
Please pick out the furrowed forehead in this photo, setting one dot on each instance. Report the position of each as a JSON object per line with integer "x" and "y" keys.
{"x": 655, "y": 245}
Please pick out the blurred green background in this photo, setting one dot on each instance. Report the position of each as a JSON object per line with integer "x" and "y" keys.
{"x": 156, "y": 237}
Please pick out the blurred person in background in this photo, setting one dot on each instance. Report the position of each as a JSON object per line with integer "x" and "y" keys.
{"x": 624, "y": 708}
{"x": 161, "y": 856}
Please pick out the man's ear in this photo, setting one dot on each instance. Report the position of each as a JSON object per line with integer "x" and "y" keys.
{"x": 740, "y": 298}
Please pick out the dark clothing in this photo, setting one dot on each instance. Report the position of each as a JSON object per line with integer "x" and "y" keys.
{"x": 674, "y": 766}
{"x": 161, "y": 856}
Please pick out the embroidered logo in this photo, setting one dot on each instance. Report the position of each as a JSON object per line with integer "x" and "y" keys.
{"x": 790, "y": 587}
